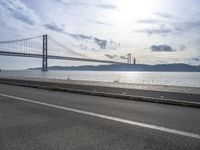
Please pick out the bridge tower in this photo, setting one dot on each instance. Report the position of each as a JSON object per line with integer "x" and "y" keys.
{"x": 44, "y": 54}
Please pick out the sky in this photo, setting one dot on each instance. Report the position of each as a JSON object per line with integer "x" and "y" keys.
{"x": 154, "y": 31}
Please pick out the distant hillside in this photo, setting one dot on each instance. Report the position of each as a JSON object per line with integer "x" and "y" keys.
{"x": 130, "y": 67}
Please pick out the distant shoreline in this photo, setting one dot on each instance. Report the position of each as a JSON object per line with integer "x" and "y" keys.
{"x": 128, "y": 67}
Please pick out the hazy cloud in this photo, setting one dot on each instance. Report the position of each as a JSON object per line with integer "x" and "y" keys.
{"x": 149, "y": 21}
{"x": 20, "y": 11}
{"x": 193, "y": 24}
{"x": 162, "y": 30}
{"x": 161, "y": 48}
{"x": 80, "y": 3}
{"x": 80, "y": 36}
{"x": 185, "y": 26}
{"x": 179, "y": 29}
{"x": 197, "y": 42}
{"x": 164, "y": 15}
{"x": 196, "y": 59}
{"x": 72, "y": 3}
{"x": 182, "y": 47}
{"x": 100, "y": 22}
{"x": 177, "y": 26}
{"x": 53, "y": 26}
{"x": 111, "y": 56}
{"x": 101, "y": 43}
{"x": 123, "y": 57}
{"x": 107, "y": 6}
{"x": 24, "y": 18}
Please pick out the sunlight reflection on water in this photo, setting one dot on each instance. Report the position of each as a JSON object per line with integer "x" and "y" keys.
{"x": 187, "y": 79}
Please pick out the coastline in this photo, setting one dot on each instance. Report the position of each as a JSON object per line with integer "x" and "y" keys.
{"x": 185, "y": 96}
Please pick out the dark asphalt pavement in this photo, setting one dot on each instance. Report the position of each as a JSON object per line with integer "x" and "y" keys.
{"x": 28, "y": 126}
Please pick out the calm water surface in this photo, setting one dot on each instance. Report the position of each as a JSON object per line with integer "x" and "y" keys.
{"x": 186, "y": 79}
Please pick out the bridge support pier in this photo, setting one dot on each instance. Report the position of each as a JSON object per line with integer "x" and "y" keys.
{"x": 44, "y": 54}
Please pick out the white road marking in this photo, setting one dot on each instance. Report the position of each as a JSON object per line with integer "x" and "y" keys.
{"x": 130, "y": 122}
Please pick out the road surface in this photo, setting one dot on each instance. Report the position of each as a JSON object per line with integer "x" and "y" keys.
{"x": 48, "y": 120}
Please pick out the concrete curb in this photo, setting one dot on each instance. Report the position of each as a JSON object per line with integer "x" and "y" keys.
{"x": 104, "y": 94}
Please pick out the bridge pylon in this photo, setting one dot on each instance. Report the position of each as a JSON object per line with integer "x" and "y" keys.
{"x": 44, "y": 54}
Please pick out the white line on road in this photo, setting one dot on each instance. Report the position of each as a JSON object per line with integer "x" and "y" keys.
{"x": 134, "y": 123}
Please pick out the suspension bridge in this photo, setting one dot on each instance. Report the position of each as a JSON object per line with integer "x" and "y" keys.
{"x": 44, "y": 47}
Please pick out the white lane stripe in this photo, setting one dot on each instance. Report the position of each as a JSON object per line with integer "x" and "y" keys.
{"x": 134, "y": 123}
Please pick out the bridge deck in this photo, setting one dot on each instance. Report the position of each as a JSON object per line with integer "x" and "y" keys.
{"x": 5, "y": 53}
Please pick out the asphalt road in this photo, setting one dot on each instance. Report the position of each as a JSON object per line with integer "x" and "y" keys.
{"x": 34, "y": 119}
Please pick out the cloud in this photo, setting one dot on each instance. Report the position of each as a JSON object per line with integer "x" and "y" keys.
{"x": 187, "y": 26}
{"x": 149, "y": 21}
{"x": 197, "y": 41}
{"x": 182, "y": 47}
{"x": 80, "y": 3}
{"x": 107, "y": 6}
{"x": 179, "y": 29}
{"x": 195, "y": 24}
{"x": 101, "y": 43}
{"x": 196, "y": 59}
{"x": 53, "y": 26}
{"x": 161, "y": 48}
{"x": 164, "y": 15}
{"x": 111, "y": 56}
{"x": 177, "y": 26}
{"x": 72, "y": 3}
{"x": 80, "y": 36}
{"x": 123, "y": 57}
{"x": 24, "y": 18}
{"x": 85, "y": 41}
{"x": 100, "y": 22}
{"x": 115, "y": 56}
{"x": 162, "y": 30}
{"x": 20, "y": 11}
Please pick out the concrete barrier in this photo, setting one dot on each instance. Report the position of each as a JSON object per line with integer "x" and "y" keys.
{"x": 93, "y": 90}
